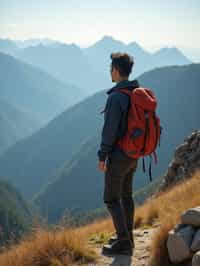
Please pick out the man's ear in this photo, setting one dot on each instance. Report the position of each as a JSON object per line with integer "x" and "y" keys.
{"x": 115, "y": 71}
{"x": 117, "y": 75}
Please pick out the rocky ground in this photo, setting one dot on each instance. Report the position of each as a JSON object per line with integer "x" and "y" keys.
{"x": 141, "y": 253}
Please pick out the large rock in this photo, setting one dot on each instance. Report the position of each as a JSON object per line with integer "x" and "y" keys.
{"x": 196, "y": 259}
{"x": 191, "y": 216}
{"x": 196, "y": 242}
{"x": 179, "y": 242}
{"x": 186, "y": 161}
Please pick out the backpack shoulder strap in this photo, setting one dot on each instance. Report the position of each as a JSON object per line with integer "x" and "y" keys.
{"x": 126, "y": 91}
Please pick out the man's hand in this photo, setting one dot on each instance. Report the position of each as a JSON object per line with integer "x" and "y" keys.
{"x": 102, "y": 166}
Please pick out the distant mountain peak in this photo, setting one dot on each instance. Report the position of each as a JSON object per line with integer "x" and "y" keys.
{"x": 107, "y": 41}
{"x": 65, "y": 45}
{"x": 168, "y": 49}
{"x": 171, "y": 51}
{"x": 107, "y": 37}
{"x": 55, "y": 46}
{"x": 134, "y": 45}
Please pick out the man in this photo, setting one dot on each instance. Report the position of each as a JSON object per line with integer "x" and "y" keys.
{"x": 118, "y": 167}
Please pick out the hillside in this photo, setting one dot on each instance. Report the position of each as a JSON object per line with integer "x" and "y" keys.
{"x": 15, "y": 214}
{"x": 33, "y": 90}
{"x": 65, "y": 62}
{"x": 53, "y": 147}
{"x": 15, "y": 124}
{"x": 78, "y": 185}
{"x": 82, "y": 246}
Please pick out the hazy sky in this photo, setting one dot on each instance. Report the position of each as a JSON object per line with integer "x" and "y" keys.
{"x": 150, "y": 23}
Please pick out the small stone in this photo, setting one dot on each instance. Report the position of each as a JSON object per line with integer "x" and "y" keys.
{"x": 191, "y": 217}
{"x": 179, "y": 242}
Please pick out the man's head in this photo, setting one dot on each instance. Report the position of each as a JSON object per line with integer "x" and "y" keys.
{"x": 121, "y": 66}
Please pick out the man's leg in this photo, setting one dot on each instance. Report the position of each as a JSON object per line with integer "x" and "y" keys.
{"x": 116, "y": 171}
{"x": 127, "y": 199}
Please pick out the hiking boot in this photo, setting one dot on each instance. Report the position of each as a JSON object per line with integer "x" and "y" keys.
{"x": 118, "y": 247}
{"x": 114, "y": 238}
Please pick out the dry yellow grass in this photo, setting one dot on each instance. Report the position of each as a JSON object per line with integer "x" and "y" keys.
{"x": 159, "y": 254}
{"x": 49, "y": 248}
{"x": 170, "y": 205}
{"x": 71, "y": 247}
{"x": 60, "y": 247}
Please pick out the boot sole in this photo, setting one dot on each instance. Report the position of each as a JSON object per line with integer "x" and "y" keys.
{"x": 112, "y": 241}
{"x": 117, "y": 252}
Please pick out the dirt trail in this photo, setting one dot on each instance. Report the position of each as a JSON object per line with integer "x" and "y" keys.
{"x": 141, "y": 254}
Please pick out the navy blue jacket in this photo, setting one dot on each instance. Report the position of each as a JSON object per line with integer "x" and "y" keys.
{"x": 115, "y": 119}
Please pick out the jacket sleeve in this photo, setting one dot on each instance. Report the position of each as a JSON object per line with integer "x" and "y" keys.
{"x": 112, "y": 118}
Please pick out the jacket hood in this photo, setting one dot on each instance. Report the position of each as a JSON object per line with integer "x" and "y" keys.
{"x": 129, "y": 84}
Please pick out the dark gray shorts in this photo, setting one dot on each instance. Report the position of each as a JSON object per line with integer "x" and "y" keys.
{"x": 118, "y": 178}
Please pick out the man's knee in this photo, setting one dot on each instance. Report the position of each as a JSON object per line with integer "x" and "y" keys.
{"x": 127, "y": 200}
{"x": 111, "y": 202}
{"x": 127, "y": 194}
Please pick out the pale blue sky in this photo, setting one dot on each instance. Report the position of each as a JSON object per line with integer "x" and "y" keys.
{"x": 150, "y": 23}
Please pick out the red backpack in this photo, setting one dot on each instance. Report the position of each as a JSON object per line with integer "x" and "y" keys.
{"x": 144, "y": 129}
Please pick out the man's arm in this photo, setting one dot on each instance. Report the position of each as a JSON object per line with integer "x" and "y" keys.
{"x": 113, "y": 114}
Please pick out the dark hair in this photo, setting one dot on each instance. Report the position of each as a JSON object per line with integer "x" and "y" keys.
{"x": 123, "y": 62}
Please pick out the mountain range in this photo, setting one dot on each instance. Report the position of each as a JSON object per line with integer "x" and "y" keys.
{"x": 30, "y": 98}
{"x": 99, "y": 53}
{"x": 79, "y": 185}
{"x": 15, "y": 124}
{"x": 58, "y": 164}
{"x": 88, "y": 68}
